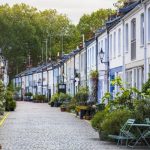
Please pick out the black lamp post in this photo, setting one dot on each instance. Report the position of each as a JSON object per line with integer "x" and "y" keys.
{"x": 101, "y": 56}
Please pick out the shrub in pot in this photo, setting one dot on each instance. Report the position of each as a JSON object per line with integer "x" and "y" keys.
{"x": 115, "y": 120}
{"x": 97, "y": 121}
{"x": 64, "y": 97}
{"x": 82, "y": 96}
{"x": 28, "y": 95}
{"x": 54, "y": 100}
{"x": 63, "y": 108}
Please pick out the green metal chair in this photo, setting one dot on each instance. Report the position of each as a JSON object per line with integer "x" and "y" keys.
{"x": 125, "y": 133}
{"x": 147, "y": 120}
{"x": 147, "y": 133}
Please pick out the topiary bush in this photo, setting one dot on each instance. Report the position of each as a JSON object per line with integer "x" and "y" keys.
{"x": 10, "y": 103}
{"x": 115, "y": 120}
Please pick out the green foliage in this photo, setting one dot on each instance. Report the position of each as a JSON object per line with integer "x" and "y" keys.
{"x": 10, "y": 103}
{"x": 97, "y": 120}
{"x": 28, "y": 94}
{"x": 82, "y": 96}
{"x": 89, "y": 23}
{"x": 64, "y": 97}
{"x": 94, "y": 79}
{"x": 114, "y": 121}
{"x": 94, "y": 74}
{"x": 142, "y": 109}
{"x": 124, "y": 98}
{"x": 146, "y": 87}
{"x": 128, "y": 103}
{"x": 2, "y": 98}
{"x": 39, "y": 98}
{"x": 55, "y": 97}
{"x": 24, "y": 28}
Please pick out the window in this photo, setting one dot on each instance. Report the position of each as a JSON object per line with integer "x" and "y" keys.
{"x": 110, "y": 47}
{"x": 149, "y": 24}
{"x": 114, "y": 44}
{"x": 127, "y": 37}
{"x": 133, "y": 39}
{"x": 142, "y": 29}
{"x": 119, "y": 42}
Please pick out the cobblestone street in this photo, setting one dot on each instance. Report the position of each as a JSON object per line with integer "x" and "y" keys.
{"x": 39, "y": 127}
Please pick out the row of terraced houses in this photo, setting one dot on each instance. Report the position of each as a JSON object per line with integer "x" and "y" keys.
{"x": 125, "y": 42}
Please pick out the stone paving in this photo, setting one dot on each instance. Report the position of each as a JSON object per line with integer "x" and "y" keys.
{"x": 39, "y": 127}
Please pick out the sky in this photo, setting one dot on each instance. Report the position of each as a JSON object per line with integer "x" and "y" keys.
{"x": 74, "y": 9}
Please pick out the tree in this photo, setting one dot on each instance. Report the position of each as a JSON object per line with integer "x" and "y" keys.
{"x": 89, "y": 23}
{"x": 23, "y": 30}
{"x": 120, "y": 3}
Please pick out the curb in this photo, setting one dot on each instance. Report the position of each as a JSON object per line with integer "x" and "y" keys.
{"x": 4, "y": 118}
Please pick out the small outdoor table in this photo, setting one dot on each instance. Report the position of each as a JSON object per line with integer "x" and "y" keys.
{"x": 142, "y": 129}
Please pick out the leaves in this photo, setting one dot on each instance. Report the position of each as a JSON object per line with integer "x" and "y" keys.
{"x": 88, "y": 24}
{"x": 23, "y": 30}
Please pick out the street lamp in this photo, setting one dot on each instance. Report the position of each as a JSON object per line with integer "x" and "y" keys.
{"x": 101, "y": 56}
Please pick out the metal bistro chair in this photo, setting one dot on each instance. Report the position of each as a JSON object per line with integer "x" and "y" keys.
{"x": 147, "y": 133}
{"x": 125, "y": 133}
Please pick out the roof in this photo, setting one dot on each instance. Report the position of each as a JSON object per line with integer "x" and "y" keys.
{"x": 129, "y": 7}
{"x": 88, "y": 42}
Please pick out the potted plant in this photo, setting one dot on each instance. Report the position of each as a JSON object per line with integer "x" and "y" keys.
{"x": 81, "y": 99}
{"x": 54, "y": 100}
{"x": 63, "y": 108}
{"x": 97, "y": 121}
{"x": 94, "y": 79}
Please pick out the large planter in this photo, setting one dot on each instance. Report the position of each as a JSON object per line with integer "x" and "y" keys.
{"x": 82, "y": 113}
{"x": 52, "y": 104}
{"x": 102, "y": 135}
{"x": 63, "y": 109}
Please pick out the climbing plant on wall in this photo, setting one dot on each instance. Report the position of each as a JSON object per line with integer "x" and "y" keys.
{"x": 94, "y": 80}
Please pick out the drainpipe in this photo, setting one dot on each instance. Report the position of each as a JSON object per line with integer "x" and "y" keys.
{"x": 96, "y": 39}
{"x": 85, "y": 64}
{"x": 96, "y": 58}
{"x": 74, "y": 78}
{"x": 123, "y": 61}
{"x": 108, "y": 65}
{"x": 42, "y": 81}
{"x": 145, "y": 45}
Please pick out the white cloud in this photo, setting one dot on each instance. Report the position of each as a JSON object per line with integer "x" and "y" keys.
{"x": 74, "y": 9}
